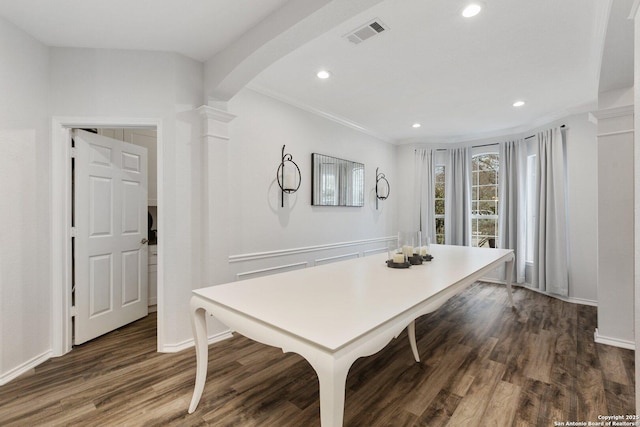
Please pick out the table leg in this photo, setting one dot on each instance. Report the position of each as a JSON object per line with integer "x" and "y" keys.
{"x": 509, "y": 278}
{"x": 332, "y": 391}
{"x": 411, "y": 331}
{"x": 199, "y": 325}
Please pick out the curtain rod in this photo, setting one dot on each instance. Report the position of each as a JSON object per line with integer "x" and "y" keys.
{"x": 494, "y": 143}
{"x": 531, "y": 136}
{"x": 473, "y": 146}
{"x": 484, "y": 145}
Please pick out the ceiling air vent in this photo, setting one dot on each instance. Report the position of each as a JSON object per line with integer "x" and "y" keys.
{"x": 367, "y": 31}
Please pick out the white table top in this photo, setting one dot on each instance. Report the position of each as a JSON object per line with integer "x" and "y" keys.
{"x": 333, "y": 304}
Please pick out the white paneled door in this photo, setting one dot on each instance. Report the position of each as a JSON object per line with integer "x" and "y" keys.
{"x": 110, "y": 246}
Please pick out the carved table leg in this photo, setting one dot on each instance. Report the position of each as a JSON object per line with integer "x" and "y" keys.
{"x": 411, "y": 330}
{"x": 332, "y": 390}
{"x": 199, "y": 324}
{"x": 509, "y": 278}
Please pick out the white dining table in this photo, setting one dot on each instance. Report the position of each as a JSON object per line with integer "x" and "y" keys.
{"x": 336, "y": 313}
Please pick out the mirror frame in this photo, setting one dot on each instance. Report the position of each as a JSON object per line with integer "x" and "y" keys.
{"x": 343, "y": 188}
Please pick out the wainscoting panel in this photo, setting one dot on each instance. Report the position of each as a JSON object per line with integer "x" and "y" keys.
{"x": 374, "y": 251}
{"x": 257, "y": 264}
{"x": 271, "y": 270}
{"x": 328, "y": 260}
{"x": 307, "y": 249}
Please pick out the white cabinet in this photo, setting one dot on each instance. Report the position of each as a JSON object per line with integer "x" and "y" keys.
{"x": 153, "y": 277}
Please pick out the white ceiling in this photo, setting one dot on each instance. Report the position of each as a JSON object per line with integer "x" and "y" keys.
{"x": 457, "y": 77}
{"x": 195, "y": 28}
{"x": 617, "y": 58}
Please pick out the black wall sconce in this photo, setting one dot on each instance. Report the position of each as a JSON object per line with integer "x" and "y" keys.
{"x": 288, "y": 174}
{"x": 382, "y": 187}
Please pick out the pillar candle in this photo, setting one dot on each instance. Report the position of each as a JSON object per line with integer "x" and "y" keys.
{"x": 289, "y": 181}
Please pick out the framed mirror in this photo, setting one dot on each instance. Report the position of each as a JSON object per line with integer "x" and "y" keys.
{"x": 336, "y": 182}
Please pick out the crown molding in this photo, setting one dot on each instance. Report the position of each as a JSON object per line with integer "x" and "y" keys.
{"x": 318, "y": 112}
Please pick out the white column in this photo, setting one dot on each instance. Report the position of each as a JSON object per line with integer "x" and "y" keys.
{"x": 215, "y": 138}
{"x": 635, "y": 14}
{"x": 615, "y": 221}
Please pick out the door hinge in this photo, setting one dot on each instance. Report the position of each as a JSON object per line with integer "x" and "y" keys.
{"x": 74, "y": 232}
{"x": 74, "y": 311}
{"x": 73, "y": 152}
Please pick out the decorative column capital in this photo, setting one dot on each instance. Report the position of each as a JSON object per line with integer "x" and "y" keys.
{"x": 215, "y": 122}
{"x": 611, "y": 113}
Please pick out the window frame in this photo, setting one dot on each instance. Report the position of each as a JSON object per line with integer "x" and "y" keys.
{"x": 439, "y": 237}
{"x": 476, "y": 201}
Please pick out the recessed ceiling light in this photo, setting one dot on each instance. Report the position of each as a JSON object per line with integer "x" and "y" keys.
{"x": 518, "y": 103}
{"x": 472, "y": 10}
{"x": 416, "y": 125}
{"x": 323, "y": 74}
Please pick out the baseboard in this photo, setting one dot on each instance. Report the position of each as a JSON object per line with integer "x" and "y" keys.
{"x": 616, "y": 342}
{"x": 25, "y": 367}
{"x": 572, "y": 300}
{"x": 582, "y": 301}
{"x": 175, "y": 348}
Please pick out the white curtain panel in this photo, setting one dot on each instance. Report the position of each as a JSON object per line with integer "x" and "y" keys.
{"x": 425, "y": 192}
{"x": 550, "y": 246}
{"x": 457, "y": 208}
{"x": 512, "y": 203}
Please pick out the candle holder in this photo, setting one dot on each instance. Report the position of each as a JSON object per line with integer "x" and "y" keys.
{"x": 382, "y": 187}
{"x": 287, "y": 175}
{"x": 425, "y": 246}
{"x": 409, "y": 241}
{"x": 396, "y": 258}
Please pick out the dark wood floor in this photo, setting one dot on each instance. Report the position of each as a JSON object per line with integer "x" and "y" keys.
{"x": 482, "y": 364}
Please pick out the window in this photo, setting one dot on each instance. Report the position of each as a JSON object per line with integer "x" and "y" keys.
{"x": 357, "y": 184}
{"x": 531, "y": 202}
{"x": 439, "y": 200}
{"x": 484, "y": 200}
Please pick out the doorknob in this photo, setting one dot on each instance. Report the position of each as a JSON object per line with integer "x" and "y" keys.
{"x": 144, "y": 241}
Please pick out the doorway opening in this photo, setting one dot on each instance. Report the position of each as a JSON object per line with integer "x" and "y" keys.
{"x": 114, "y": 241}
{"x": 62, "y": 263}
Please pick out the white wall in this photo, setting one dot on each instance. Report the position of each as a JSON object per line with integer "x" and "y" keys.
{"x": 24, "y": 201}
{"x": 582, "y": 198}
{"x": 258, "y": 223}
{"x": 134, "y": 84}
